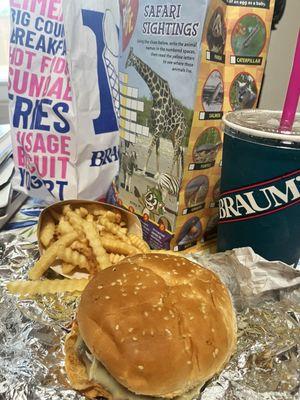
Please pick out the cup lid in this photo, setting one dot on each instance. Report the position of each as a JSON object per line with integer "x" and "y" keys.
{"x": 262, "y": 123}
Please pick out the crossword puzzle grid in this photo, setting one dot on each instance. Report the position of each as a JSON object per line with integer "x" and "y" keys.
{"x": 129, "y": 128}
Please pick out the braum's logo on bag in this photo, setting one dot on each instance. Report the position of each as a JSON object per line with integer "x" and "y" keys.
{"x": 260, "y": 199}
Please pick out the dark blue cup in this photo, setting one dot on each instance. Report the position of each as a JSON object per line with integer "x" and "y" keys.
{"x": 260, "y": 186}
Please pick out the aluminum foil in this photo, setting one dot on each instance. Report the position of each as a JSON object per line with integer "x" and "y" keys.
{"x": 266, "y": 364}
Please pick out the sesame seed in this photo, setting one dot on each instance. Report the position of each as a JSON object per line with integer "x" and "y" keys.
{"x": 135, "y": 293}
{"x": 189, "y": 362}
{"x": 152, "y": 332}
{"x": 146, "y": 314}
{"x": 144, "y": 287}
{"x": 135, "y": 268}
{"x": 208, "y": 291}
{"x": 159, "y": 308}
{"x": 156, "y": 283}
{"x": 141, "y": 269}
{"x": 124, "y": 294}
{"x": 168, "y": 332}
{"x": 113, "y": 283}
{"x": 130, "y": 329}
{"x": 212, "y": 329}
{"x": 166, "y": 318}
{"x": 100, "y": 287}
{"x": 140, "y": 367}
{"x": 144, "y": 333}
{"x": 140, "y": 284}
{"x": 134, "y": 339}
{"x": 124, "y": 275}
{"x": 107, "y": 297}
{"x": 192, "y": 317}
{"x": 117, "y": 327}
{"x": 122, "y": 340}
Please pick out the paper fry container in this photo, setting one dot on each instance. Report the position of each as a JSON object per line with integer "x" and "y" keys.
{"x": 132, "y": 223}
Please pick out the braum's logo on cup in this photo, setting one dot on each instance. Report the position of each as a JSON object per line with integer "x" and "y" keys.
{"x": 260, "y": 199}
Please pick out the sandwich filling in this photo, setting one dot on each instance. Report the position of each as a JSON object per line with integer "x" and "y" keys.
{"x": 98, "y": 374}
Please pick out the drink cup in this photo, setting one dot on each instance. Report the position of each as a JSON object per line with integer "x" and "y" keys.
{"x": 260, "y": 186}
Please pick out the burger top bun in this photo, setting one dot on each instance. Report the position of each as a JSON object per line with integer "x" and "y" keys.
{"x": 159, "y": 324}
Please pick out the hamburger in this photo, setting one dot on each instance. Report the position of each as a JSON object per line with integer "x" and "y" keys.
{"x": 153, "y": 325}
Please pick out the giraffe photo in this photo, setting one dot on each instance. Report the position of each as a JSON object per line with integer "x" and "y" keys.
{"x": 167, "y": 116}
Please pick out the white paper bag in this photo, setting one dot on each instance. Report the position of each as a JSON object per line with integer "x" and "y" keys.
{"x": 63, "y": 91}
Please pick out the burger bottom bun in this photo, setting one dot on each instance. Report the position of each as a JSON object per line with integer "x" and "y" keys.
{"x": 77, "y": 372}
{"x": 76, "y": 369}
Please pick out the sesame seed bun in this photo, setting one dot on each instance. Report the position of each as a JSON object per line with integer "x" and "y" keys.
{"x": 159, "y": 324}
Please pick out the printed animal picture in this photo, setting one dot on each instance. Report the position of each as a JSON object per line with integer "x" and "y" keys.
{"x": 128, "y": 164}
{"x": 196, "y": 191}
{"x": 243, "y": 92}
{"x": 207, "y": 146}
{"x": 169, "y": 185}
{"x": 213, "y": 92}
{"x": 216, "y": 32}
{"x": 211, "y": 227}
{"x": 216, "y": 191}
{"x": 151, "y": 202}
{"x": 167, "y": 115}
{"x": 190, "y": 232}
{"x": 248, "y": 36}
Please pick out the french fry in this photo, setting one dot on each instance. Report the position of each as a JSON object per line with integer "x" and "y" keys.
{"x": 84, "y": 212}
{"x": 82, "y": 248}
{"x": 67, "y": 268}
{"x": 90, "y": 218}
{"x": 64, "y": 227}
{"x": 116, "y": 246}
{"x": 72, "y": 257}
{"x": 115, "y": 258}
{"x": 74, "y": 219}
{"x": 100, "y": 228}
{"x": 47, "y": 231}
{"x": 46, "y": 286}
{"x": 114, "y": 228}
{"x": 139, "y": 243}
{"x": 92, "y": 236}
{"x": 50, "y": 255}
{"x": 112, "y": 216}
